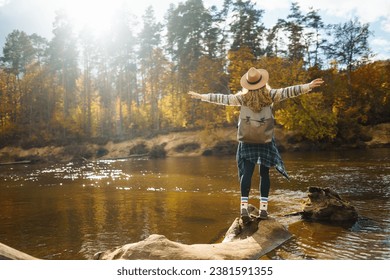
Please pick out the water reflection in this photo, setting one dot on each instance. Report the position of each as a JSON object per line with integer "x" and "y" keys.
{"x": 71, "y": 211}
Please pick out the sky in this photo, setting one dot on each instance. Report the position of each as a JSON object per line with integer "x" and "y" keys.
{"x": 37, "y": 16}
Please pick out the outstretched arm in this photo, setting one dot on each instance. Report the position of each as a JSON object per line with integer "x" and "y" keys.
{"x": 294, "y": 91}
{"x": 217, "y": 98}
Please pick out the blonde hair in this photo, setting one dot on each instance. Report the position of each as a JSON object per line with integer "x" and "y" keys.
{"x": 256, "y": 99}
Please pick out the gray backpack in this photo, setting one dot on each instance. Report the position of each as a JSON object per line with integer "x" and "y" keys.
{"x": 257, "y": 128}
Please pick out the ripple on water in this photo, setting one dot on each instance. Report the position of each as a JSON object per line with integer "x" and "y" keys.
{"x": 365, "y": 240}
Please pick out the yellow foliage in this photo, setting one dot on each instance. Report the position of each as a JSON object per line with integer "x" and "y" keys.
{"x": 282, "y": 72}
{"x": 171, "y": 113}
{"x": 308, "y": 115}
{"x": 239, "y": 63}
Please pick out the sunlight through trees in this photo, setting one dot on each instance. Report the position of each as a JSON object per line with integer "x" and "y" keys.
{"x": 132, "y": 78}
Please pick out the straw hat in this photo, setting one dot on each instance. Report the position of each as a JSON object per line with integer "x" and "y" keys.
{"x": 254, "y": 78}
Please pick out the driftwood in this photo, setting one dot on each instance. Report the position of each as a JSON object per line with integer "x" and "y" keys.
{"x": 8, "y": 253}
{"x": 15, "y": 162}
{"x": 326, "y": 205}
{"x": 241, "y": 243}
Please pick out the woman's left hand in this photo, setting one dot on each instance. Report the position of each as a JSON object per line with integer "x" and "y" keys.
{"x": 316, "y": 83}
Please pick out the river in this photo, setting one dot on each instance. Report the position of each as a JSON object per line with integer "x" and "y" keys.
{"x": 73, "y": 210}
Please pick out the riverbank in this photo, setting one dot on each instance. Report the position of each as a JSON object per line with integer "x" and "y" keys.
{"x": 221, "y": 141}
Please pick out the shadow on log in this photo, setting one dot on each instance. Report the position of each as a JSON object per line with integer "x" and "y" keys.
{"x": 241, "y": 243}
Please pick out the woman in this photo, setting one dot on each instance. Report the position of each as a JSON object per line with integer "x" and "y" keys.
{"x": 257, "y": 94}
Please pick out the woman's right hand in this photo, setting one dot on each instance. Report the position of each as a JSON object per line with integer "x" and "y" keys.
{"x": 195, "y": 95}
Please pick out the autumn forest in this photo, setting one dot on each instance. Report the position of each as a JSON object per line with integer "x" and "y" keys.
{"x": 79, "y": 86}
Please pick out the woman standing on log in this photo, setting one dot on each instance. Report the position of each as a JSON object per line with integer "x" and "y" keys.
{"x": 256, "y": 99}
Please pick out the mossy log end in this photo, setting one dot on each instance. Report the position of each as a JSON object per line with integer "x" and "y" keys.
{"x": 326, "y": 205}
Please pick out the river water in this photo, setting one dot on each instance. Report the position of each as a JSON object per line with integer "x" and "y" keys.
{"x": 73, "y": 210}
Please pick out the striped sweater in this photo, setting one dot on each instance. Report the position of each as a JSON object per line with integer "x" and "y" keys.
{"x": 277, "y": 95}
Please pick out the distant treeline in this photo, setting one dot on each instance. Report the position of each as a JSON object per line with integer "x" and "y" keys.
{"x": 80, "y": 87}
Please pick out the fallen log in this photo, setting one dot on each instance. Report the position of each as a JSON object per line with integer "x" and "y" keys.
{"x": 241, "y": 242}
{"x": 8, "y": 253}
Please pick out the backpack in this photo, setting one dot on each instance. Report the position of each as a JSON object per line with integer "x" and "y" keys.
{"x": 257, "y": 128}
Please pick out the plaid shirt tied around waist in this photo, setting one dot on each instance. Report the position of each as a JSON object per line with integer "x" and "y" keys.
{"x": 265, "y": 154}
